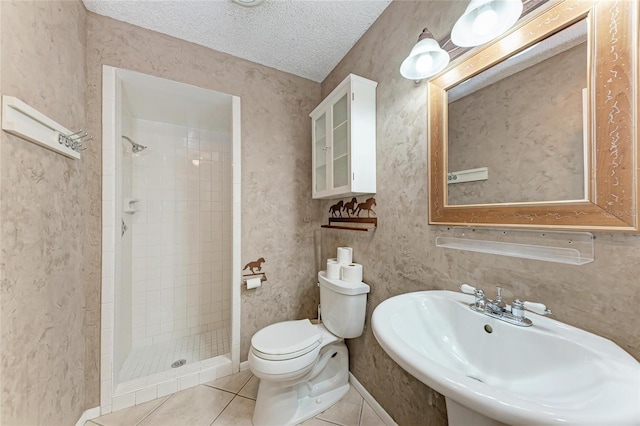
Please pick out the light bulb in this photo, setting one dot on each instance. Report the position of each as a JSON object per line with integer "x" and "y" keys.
{"x": 485, "y": 21}
{"x": 424, "y": 63}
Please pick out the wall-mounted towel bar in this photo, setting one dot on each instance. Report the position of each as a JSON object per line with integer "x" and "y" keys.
{"x": 28, "y": 123}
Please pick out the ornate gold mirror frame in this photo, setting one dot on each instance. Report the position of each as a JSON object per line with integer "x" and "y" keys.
{"x": 612, "y": 127}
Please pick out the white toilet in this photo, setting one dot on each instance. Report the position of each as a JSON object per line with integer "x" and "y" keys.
{"x": 304, "y": 367}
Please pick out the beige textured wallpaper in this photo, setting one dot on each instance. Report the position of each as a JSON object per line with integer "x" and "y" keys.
{"x": 51, "y": 56}
{"x": 44, "y": 204}
{"x": 278, "y": 215}
{"x": 527, "y": 129}
{"x": 400, "y": 256}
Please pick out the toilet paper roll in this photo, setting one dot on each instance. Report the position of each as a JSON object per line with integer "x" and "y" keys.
{"x": 253, "y": 283}
{"x": 345, "y": 255}
{"x": 333, "y": 270}
{"x": 332, "y": 260}
{"x": 352, "y": 273}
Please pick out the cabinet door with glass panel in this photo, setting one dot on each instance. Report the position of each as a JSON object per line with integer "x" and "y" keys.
{"x": 344, "y": 140}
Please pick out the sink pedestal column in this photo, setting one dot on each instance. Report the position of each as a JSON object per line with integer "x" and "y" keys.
{"x": 459, "y": 415}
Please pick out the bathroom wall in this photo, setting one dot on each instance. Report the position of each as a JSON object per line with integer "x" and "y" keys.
{"x": 177, "y": 234}
{"x": 45, "y": 240}
{"x": 400, "y": 256}
{"x": 497, "y": 128}
{"x": 278, "y": 215}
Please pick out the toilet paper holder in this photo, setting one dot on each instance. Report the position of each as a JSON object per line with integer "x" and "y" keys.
{"x": 263, "y": 277}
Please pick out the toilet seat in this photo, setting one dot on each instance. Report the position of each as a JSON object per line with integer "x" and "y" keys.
{"x": 284, "y": 357}
{"x": 286, "y": 340}
{"x": 286, "y": 349}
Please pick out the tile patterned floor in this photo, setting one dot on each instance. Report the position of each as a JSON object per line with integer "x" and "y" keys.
{"x": 152, "y": 359}
{"x": 229, "y": 401}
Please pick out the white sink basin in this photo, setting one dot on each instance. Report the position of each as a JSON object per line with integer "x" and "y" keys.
{"x": 550, "y": 373}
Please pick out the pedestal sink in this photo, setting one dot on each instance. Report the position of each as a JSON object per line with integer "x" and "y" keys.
{"x": 492, "y": 372}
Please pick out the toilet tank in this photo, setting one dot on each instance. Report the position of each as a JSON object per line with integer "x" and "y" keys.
{"x": 343, "y": 306}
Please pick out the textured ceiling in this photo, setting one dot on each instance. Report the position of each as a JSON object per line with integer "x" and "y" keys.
{"x": 303, "y": 37}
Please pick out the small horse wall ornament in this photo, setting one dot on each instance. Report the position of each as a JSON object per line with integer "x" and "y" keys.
{"x": 351, "y": 205}
{"x": 367, "y": 205}
{"x": 336, "y": 208}
{"x": 257, "y": 265}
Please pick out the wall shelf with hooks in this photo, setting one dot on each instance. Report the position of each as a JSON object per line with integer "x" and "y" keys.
{"x": 358, "y": 223}
{"x": 26, "y": 122}
{"x": 572, "y": 248}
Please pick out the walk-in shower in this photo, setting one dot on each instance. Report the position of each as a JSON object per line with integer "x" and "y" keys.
{"x": 169, "y": 325}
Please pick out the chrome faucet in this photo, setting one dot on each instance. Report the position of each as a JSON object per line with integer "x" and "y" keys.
{"x": 498, "y": 309}
{"x": 496, "y": 306}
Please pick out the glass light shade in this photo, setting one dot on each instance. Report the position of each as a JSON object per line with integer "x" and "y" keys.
{"x": 485, "y": 20}
{"x": 248, "y": 3}
{"x": 426, "y": 59}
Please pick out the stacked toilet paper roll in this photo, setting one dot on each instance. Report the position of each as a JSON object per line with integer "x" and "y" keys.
{"x": 343, "y": 268}
{"x": 334, "y": 269}
{"x": 352, "y": 273}
{"x": 345, "y": 255}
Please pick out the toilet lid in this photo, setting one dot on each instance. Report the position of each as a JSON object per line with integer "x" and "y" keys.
{"x": 287, "y": 337}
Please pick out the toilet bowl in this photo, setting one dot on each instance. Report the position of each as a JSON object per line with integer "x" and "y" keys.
{"x": 304, "y": 367}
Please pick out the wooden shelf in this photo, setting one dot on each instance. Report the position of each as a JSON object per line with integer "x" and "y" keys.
{"x": 370, "y": 222}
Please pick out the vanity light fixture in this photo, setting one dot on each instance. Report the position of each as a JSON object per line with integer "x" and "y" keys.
{"x": 426, "y": 59}
{"x": 485, "y": 20}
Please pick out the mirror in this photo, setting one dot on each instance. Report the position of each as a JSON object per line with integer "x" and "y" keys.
{"x": 538, "y": 129}
{"x": 521, "y": 122}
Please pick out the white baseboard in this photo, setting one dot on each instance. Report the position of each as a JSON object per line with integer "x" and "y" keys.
{"x": 89, "y": 414}
{"x": 244, "y": 365}
{"x": 386, "y": 418}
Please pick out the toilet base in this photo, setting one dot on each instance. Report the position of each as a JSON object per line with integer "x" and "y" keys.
{"x": 286, "y": 403}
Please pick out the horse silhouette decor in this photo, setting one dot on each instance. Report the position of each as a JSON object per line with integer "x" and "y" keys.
{"x": 367, "y": 205}
{"x": 350, "y": 207}
{"x": 253, "y": 266}
{"x": 353, "y": 221}
{"x": 336, "y": 209}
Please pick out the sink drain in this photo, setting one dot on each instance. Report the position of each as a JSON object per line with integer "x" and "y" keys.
{"x": 178, "y": 363}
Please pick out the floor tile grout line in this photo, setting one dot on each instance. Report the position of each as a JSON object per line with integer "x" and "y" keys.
{"x": 244, "y": 386}
{"x": 222, "y": 411}
{"x": 226, "y": 390}
{"x": 327, "y": 421}
{"x": 155, "y": 409}
{"x": 361, "y": 411}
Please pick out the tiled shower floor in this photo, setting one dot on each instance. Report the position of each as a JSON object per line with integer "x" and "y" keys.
{"x": 153, "y": 359}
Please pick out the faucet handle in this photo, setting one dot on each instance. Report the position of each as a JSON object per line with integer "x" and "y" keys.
{"x": 538, "y": 308}
{"x": 466, "y": 288}
{"x": 517, "y": 310}
{"x": 479, "y": 295}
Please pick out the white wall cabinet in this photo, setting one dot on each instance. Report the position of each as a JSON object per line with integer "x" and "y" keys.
{"x": 344, "y": 140}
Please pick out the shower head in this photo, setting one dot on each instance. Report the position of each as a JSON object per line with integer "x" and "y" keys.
{"x": 136, "y": 146}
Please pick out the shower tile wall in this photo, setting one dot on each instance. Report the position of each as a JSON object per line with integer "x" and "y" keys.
{"x": 178, "y": 238}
